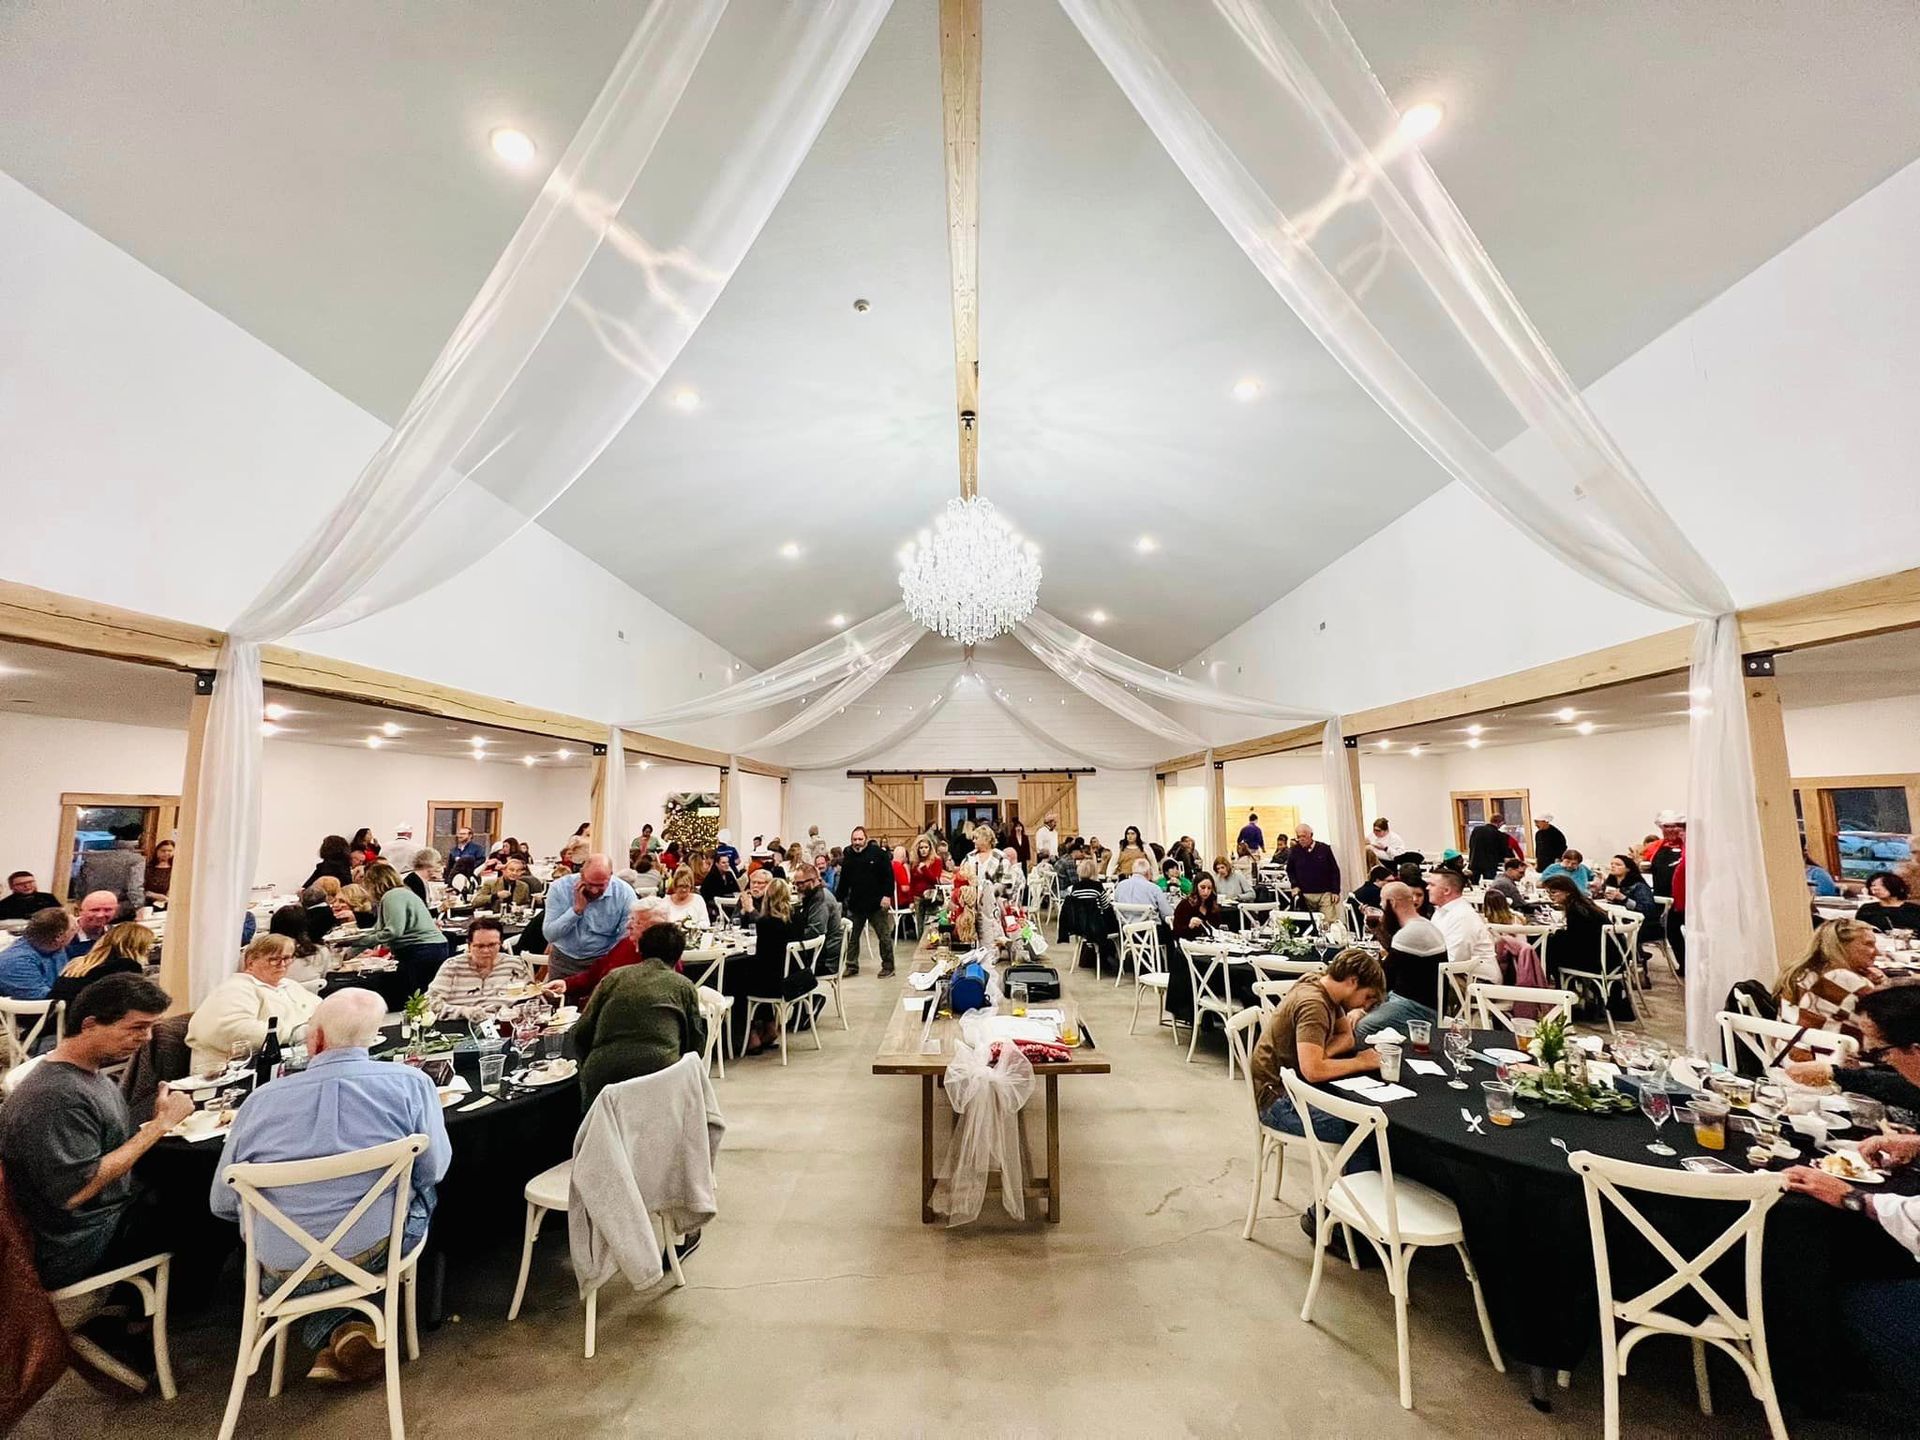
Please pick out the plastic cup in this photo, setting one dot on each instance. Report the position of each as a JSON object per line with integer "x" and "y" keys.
{"x": 1501, "y": 1109}
{"x": 1710, "y": 1122}
{"x": 1017, "y": 999}
{"x": 1389, "y": 1054}
{"x": 492, "y": 1066}
{"x": 1420, "y": 1032}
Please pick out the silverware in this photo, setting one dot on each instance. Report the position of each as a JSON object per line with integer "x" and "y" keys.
{"x": 1473, "y": 1120}
{"x": 1562, "y": 1144}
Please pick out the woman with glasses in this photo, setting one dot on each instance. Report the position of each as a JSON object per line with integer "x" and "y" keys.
{"x": 239, "y": 1008}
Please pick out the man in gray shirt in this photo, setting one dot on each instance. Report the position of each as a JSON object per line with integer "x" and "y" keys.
{"x": 818, "y": 914}
{"x": 1507, "y": 882}
{"x": 69, "y": 1145}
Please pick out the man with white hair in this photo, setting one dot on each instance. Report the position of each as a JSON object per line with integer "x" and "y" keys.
{"x": 343, "y": 1101}
{"x": 1138, "y": 889}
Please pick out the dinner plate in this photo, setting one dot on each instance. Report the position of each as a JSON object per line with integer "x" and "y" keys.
{"x": 562, "y": 1071}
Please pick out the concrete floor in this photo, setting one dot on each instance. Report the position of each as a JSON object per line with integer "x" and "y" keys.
{"x": 819, "y": 1305}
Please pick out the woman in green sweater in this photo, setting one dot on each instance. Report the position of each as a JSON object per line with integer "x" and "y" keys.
{"x": 404, "y": 925}
{"x": 641, "y": 1019}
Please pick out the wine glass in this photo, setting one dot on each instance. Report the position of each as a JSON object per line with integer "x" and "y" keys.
{"x": 1656, "y": 1105}
{"x": 1457, "y": 1043}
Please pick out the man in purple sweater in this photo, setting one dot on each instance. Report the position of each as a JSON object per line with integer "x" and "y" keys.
{"x": 1315, "y": 873}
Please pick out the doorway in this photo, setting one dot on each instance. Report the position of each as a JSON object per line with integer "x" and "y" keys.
{"x": 88, "y": 822}
{"x": 963, "y": 817}
{"x": 1471, "y": 808}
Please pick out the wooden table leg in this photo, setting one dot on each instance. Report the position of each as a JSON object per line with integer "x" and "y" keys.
{"x": 1053, "y": 1149}
{"x": 926, "y": 1150}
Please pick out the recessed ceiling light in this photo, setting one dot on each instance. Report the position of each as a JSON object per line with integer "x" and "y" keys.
{"x": 837, "y": 621}
{"x": 1146, "y": 544}
{"x": 685, "y": 399}
{"x": 1415, "y": 750}
{"x": 374, "y": 742}
{"x": 646, "y": 764}
{"x": 792, "y": 552}
{"x": 1565, "y": 713}
{"x": 274, "y": 710}
{"x": 563, "y": 754}
{"x": 1385, "y": 743}
{"x": 1476, "y": 729}
{"x": 515, "y": 147}
{"x": 1701, "y": 692}
{"x": 1098, "y": 617}
{"x": 389, "y": 729}
{"x": 1475, "y": 743}
{"x": 1246, "y": 389}
{"x": 529, "y": 759}
{"x": 1585, "y": 727}
{"x": 1420, "y": 121}
{"x": 269, "y": 729}
{"x": 861, "y": 307}
{"x": 1695, "y": 711}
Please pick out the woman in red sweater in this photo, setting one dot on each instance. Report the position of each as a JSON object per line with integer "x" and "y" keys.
{"x": 924, "y": 891}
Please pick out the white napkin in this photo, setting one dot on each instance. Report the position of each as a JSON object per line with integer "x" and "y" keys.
{"x": 1390, "y": 1035}
{"x": 1358, "y": 1084}
{"x": 1425, "y": 1067}
{"x": 1380, "y": 1094}
{"x": 1511, "y": 1057}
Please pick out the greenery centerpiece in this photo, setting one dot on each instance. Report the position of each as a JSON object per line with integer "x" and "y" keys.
{"x": 1289, "y": 946}
{"x": 1562, "y": 1080}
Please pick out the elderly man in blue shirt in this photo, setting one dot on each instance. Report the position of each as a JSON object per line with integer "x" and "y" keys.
{"x": 343, "y": 1101}
{"x": 1139, "y": 889}
{"x": 29, "y": 965}
{"x": 587, "y": 915}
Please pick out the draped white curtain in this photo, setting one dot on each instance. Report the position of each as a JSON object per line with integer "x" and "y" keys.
{"x": 704, "y": 119}
{"x": 612, "y": 838}
{"x": 1271, "y": 111}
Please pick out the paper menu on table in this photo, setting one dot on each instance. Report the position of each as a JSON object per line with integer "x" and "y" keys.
{"x": 1371, "y": 1090}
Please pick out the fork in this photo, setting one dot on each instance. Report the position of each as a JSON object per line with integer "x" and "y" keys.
{"x": 1473, "y": 1120}
{"x": 1562, "y": 1144}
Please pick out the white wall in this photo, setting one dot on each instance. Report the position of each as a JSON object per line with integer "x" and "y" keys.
{"x": 1871, "y": 737}
{"x": 42, "y": 757}
{"x": 144, "y": 429}
{"x": 1772, "y": 423}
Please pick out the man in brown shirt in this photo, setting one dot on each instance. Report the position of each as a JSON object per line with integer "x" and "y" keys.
{"x": 1312, "y": 1034}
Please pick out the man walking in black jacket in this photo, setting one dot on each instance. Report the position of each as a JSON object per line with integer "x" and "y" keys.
{"x": 865, "y": 890}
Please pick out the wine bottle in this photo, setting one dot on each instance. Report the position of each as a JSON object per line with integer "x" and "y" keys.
{"x": 266, "y": 1063}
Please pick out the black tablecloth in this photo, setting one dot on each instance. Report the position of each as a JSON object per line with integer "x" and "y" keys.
{"x": 390, "y": 985}
{"x": 479, "y": 1205}
{"x": 1523, "y": 1210}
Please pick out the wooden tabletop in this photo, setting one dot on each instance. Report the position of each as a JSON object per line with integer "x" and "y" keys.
{"x": 901, "y": 1054}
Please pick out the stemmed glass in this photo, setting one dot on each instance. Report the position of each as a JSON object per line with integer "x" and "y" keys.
{"x": 1656, "y": 1105}
{"x": 1457, "y": 1043}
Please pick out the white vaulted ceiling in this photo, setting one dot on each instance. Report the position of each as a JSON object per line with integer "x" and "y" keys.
{"x": 319, "y": 174}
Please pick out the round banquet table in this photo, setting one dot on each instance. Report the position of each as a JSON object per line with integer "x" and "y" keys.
{"x": 478, "y": 1207}
{"x": 390, "y": 985}
{"x": 1523, "y": 1211}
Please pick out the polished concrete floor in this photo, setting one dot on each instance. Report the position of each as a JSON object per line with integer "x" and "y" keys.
{"x": 819, "y": 1305}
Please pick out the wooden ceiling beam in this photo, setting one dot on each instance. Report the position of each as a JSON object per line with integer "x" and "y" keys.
{"x": 960, "y": 116}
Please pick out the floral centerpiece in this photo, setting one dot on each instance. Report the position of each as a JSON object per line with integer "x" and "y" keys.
{"x": 1289, "y": 946}
{"x": 1549, "y": 1042}
{"x": 1562, "y": 1078}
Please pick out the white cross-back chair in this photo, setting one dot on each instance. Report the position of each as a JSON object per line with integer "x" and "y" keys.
{"x": 1258, "y": 914}
{"x": 1739, "y": 1332}
{"x": 1455, "y": 978}
{"x": 1041, "y": 888}
{"x": 1538, "y": 936}
{"x": 1207, "y": 964}
{"x": 1269, "y": 993}
{"x": 1396, "y": 1217}
{"x": 1270, "y": 1144}
{"x": 1665, "y": 946}
{"x": 552, "y": 1190}
{"x": 1141, "y": 943}
{"x": 1491, "y": 1006}
{"x": 801, "y": 956}
{"x": 714, "y": 1009}
{"x": 79, "y": 1302}
{"x": 377, "y": 1295}
{"x": 1280, "y": 967}
{"x": 1623, "y": 935}
{"x": 1132, "y": 918}
{"x": 1610, "y": 970}
{"x": 23, "y": 1022}
{"x": 1769, "y": 1041}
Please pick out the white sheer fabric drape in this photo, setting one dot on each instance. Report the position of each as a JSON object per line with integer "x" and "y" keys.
{"x": 880, "y": 745}
{"x": 611, "y": 838}
{"x": 1343, "y": 805}
{"x": 692, "y": 141}
{"x": 1271, "y": 111}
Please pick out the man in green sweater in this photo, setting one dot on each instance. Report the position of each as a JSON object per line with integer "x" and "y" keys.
{"x": 641, "y": 1019}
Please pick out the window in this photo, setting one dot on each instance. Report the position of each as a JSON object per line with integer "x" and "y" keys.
{"x": 1475, "y": 807}
{"x": 482, "y": 817}
{"x": 1855, "y": 825}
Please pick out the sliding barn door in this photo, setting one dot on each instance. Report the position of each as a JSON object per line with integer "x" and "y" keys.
{"x": 1056, "y": 795}
{"x": 895, "y": 804}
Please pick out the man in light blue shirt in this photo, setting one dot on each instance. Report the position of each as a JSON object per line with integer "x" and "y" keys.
{"x": 587, "y": 915}
{"x": 1139, "y": 889}
{"x": 28, "y": 966}
{"x": 343, "y": 1101}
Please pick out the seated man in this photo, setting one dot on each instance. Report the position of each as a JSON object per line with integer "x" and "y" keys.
{"x": 1572, "y": 865}
{"x": 1468, "y": 938}
{"x": 476, "y": 982}
{"x": 30, "y": 964}
{"x": 1138, "y": 889}
{"x": 120, "y": 871}
{"x": 818, "y": 913}
{"x": 94, "y": 918}
{"x": 509, "y": 887}
{"x": 1174, "y": 878}
{"x": 1313, "y": 1035}
{"x": 69, "y": 1146}
{"x": 587, "y": 915}
{"x": 1415, "y": 951}
{"x": 24, "y": 898}
{"x": 1512, "y": 871}
{"x": 1369, "y": 893}
{"x": 342, "y": 1101}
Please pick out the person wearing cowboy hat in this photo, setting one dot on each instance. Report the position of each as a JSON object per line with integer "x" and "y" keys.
{"x": 1666, "y": 867}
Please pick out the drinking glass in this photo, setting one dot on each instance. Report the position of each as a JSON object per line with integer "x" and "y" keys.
{"x": 1710, "y": 1122}
{"x": 1420, "y": 1032}
{"x": 1017, "y": 999}
{"x": 1500, "y": 1107}
{"x": 492, "y": 1067}
{"x": 1389, "y": 1054}
{"x": 1458, "y": 1043}
{"x": 1656, "y": 1106}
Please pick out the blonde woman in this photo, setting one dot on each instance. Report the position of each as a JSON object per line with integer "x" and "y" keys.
{"x": 1822, "y": 988}
{"x": 986, "y": 870}
{"x": 404, "y": 925}
{"x": 123, "y": 950}
{"x": 766, "y": 973}
{"x": 684, "y": 901}
{"x": 238, "y": 1010}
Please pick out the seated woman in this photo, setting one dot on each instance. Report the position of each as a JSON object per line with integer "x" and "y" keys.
{"x": 353, "y": 905}
{"x": 764, "y": 972}
{"x": 1495, "y": 910}
{"x": 1891, "y": 907}
{"x": 311, "y": 961}
{"x": 237, "y": 1010}
{"x": 1173, "y": 877}
{"x": 648, "y": 913}
{"x": 684, "y": 902}
{"x": 642, "y": 1017}
{"x": 404, "y": 925}
{"x": 1821, "y": 989}
{"x": 1231, "y": 885}
{"x": 1198, "y": 915}
{"x": 1820, "y": 880}
{"x": 1625, "y": 885}
{"x": 425, "y": 872}
{"x": 483, "y": 979}
{"x": 1573, "y": 865}
{"x": 1578, "y": 947}
{"x": 123, "y": 950}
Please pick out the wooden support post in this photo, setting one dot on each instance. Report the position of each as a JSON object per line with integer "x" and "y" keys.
{"x": 960, "y": 122}
{"x": 1218, "y": 780}
{"x": 1779, "y": 833}
{"x": 173, "y": 953}
{"x": 726, "y": 793}
{"x": 1159, "y": 831}
{"x": 786, "y": 826}
{"x": 1357, "y": 847}
{"x": 604, "y": 824}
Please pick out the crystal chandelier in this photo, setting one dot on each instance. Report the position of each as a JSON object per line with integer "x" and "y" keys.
{"x": 972, "y": 577}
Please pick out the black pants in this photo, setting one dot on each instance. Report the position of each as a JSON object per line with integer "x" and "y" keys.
{"x": 418, "y": 964}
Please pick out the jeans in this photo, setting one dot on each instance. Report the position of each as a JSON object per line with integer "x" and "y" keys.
{"x": 882, "y": 923}
{"x": 1281, "y": 1115}
{"x": 1395, "y": 1011}
{"x": 316, "y": 1329}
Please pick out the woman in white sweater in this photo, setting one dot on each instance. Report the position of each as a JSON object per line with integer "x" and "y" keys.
{"x": 237, "y": 1011}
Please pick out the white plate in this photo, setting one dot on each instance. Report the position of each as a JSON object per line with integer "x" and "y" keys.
{"x": 562, "y": 1071}
{"x": 194, "y": 1084}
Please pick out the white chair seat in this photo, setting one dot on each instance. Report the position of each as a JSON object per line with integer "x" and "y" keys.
{"x": 549, "y": 1188}
{"x": 1426, "y": 1216}
{"x": 1154, "y": 982}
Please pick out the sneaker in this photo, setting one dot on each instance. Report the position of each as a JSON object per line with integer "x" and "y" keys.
{"x": 886, "y": 972}
{"x": 688, "y": 1244}
{"x": 356, "y": 1355}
